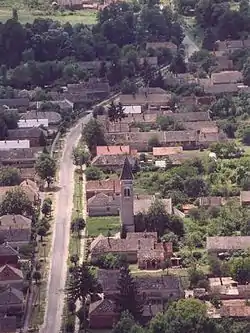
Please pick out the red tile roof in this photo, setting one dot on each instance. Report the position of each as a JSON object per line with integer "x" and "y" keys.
{"x": 112, "y": 150}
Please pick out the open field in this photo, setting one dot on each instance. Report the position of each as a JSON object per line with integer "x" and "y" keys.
{"x": 24, "y": 15}
{"x": 103, "y": 224}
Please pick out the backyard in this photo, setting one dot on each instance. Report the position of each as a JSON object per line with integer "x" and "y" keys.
{"x": 103, "y": 225}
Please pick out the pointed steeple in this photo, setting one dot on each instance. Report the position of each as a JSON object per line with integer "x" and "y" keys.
{"x": 126, "y": 170}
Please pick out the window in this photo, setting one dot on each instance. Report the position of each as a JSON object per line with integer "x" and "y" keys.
{"x": 127, "y": 192}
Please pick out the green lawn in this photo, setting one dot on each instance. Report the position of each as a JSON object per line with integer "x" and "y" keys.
{"x": 24, "y": 15}
{"x": 103, "y": 224}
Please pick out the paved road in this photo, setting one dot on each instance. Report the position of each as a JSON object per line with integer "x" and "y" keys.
{"x": 64, "y": 204}
{"x": 190, "y": 46}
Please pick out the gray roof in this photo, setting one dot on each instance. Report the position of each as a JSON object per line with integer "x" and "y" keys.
{"x": 54, "y": 118}
{"x": 24, "y": 133}
{"x": 7, "y": 250}
{"x": 227, "y": 243}
{"x": 15, "y": 102}
{"x": 11, "y": 296}
{"x": 142, "y": 99}
{"x": 109, "y": 160}
{"x": 18, "y": 154}
{"x": 8, "y": 324}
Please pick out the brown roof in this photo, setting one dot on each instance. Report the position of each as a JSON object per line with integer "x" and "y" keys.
{"x": 229, "y": 44}
{"x": 151, "y": 90}
{"x": 15, "y": 102}
{"x": 112, "y": 150}
{"x": 101, "y": 199}
{"x": 104, "y": 305}
{"x": 226, "y": 77}
{"x": 165, "y": 151}
{"x": 10, "y": 273}
{"x": 189, "y": 116}
{"x": 223, "y": 63}
{"x": 235, "y": 308}
{"x": 227, "y": 243}
{"x": 19, "y": 154}
{"x": 103, "y": 185}
{"x": 143, "y": 202}
{"x": 199, "y": 125}
{"x": 180, "y": 136}
{"x": 28, "y": 190}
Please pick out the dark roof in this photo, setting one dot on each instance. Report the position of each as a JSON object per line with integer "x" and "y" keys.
{"x": 126, "y": 170}
{"x": 24, "y": 133}
{"x": 17, "y": 154}
{"x": 221, "y": 88}
{"x": 110, "y": 160}
{"x": 15, "y": 102}
{"x": 54, "y": 118}
{"x": 7, "y": 250}
{"x": 11, "y": 296}
{"x": 8, "y": 324}
{"x": 227, "y": 243}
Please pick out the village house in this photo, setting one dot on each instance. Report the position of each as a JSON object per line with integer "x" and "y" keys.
{"x": 245, "y": 198}
{"x": 132, "y": 109}
{"x": 14, "y": 144}
{"x": 146, "y": 101}
{"x": 114, "y": 163}
{"x": 54, "y": 118}
{"x": 210, "y": 201}
{"x": 15, "y": 103}
{"x": 11, "y": 301}
{"x": 220, "y": 244}
{"x": 109, "y": 187}
{"x": 151, "y": 61}
{"x": 226, "y": 77}
{"x": 223, "y": 63}
{"x": 154, "y": 289}
{"x": 229, "y": 46}
{"x": 8, "y": 255}
{"x": 227, "y": 289}
{"x": 161, "y": 45}
{"x": 27, "y": 186}
{"x": 159, "y": 152}
{"x": 15, "y": 229}
{"x": 20, "y": 158}
{"x": 11, "y": 276}
{"x": 113, "y": 150}
{"x": 8, "y": 324}
{"x": 217, "y": 89}
{"x": 151, "y": 90}
{"x": 94, "y": 88}
{"x": 35, "y": 135}
{"x": 26, "y": 123}
{"x": 58, "y": 100}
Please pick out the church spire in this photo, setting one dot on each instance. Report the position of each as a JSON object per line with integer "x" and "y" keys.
{"x": 126, "y": 170}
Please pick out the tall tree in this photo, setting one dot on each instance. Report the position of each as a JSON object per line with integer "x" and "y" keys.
{"x": 9, "y": 177}
{"x": 46, "y": 167}
{"x": 82, "y": 283}
{"x": 16, "y": 202}
{"x": 80, "y": 156}
{"x": 93, "y": 135}
{"x": 128, "y": 297}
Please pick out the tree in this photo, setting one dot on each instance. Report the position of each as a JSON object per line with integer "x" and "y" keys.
{"x": 240, "y": 269}
{"x": 127, "y": 324}
{"x": 178, "y": 64}
{"x": 93, "y": 173}
{"x": 74, "y": 259}
{"x": 16, "y": 202}
{"x": 37, "y": 276}
{"x": 208, "y": 40}
{"x": 128, "y": 86}
{"x": 46, "y": 208}
{"x": 9, "y": 177}
{"x": 42, "y": 232}
{"x": 195, "y": 187}
{"x": 246, "y": 136}
{"x": 46, "y": 167}
{"x": 128, "y": 298}
{"x": 82, "y": 283}
{"x": 78, "y": 225}
{"x": 153, "y": 142}
{"x": 116, "y": 112}
{"x": 93, "y": 135}
{"x": 80, "y": 156}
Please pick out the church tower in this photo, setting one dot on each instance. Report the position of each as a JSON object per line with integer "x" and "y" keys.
{"x": 127, "y": 197}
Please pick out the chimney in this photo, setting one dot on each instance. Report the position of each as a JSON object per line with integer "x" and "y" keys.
{"x": 139, "y": 244}
{"x": 120, "y": 148}
{"x": 154, "y": 245}
{"x": 150, "y": 309}
{"x": 108, "y": 148}
{"x": 13, "y": 218}
{"x": 137, "y": 196}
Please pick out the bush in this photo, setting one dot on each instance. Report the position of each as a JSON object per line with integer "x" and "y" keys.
{"x": 93, "y": 173}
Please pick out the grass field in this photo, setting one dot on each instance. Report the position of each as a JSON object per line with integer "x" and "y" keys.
{"x": 103, "y": 224}
{"x": 24, "y": 15}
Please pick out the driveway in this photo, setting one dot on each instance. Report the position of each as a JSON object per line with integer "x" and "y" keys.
{"x": 61, "y": 234}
